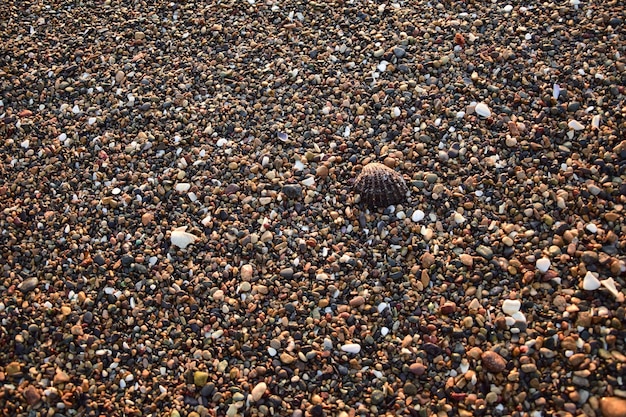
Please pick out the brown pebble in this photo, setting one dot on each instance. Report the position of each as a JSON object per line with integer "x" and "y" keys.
{"x": 428, "y": 259}
{"x": 417, "y": 368}
{"x": 147, "y": 218}
{"x": 322, "y": 171}
{"x": 613, "y": 407}
{"x": 32, "y": 395}
{"x": 61, "y": 378}
{"x": 357, "y": 301}
{"x": 493, "y": 362}
{"x": 448, "y": 308}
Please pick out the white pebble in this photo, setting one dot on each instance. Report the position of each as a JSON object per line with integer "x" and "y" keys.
{"x": 519, "y": 317}
{"x": 458, "y": 218}
{"x": 309, "y": 181}
{"x": 382, "y": 306}
{"x": 182, "y": 187}
{"x": 543, "y": 264}
{"x": 384, "y": 331}
{"x": 271, "y": 351}
{"x": 609, "y": 284}
{"x": 417, "y": 215}
{"x": 591, "y": 228}
{"x": 482, "y": 110}
{"x": 351, "y": 348}
{"x": 575, "y": 125}
{"x": 396, "y": 112}
{"x": 591, "y": 282}
{"x": 221, "y": 142}
{"x": 511, "y": 307}
{"x": 595, "y": 121}
{"x": 508, "y": 8}
{"x": 556, "y": 91}
{"x": 91, "y": 120}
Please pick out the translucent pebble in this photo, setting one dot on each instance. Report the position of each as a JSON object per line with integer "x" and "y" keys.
{"x": 556, "y": 91}
{"x": 482, "y": 110}
{"x": 384, "y": 331}
{"x": 458, "y": 218}
{"x": 591, "y": 282}
{"x": 309, "y": 181}
{"x": 543, "y": 264}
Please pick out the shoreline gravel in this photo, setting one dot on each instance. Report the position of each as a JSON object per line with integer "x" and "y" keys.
{"x": 179, "y": 235}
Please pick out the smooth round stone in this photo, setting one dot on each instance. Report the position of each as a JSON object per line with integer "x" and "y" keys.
{"x": 591, "y": 228}
{"x": 613, "y": 406}
{"x": 511, "y": 307}
{"x": 543, "y": 264}
{"x": 417, "y": 216}
{"x": 246, "y": 272}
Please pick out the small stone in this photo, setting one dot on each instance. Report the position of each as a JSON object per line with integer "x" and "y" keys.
{"x": 591, "y": 282}
{"x": 357, "y": 301}
{"x": 147, "y": 218}
{"x": 417, "y": 216}
{"x": 28, "y": 284}
{"x": 428, "y": 260}
{"x": 485, "y": 252}
{"x": 417, "y": 368}
{"x": 140, "y": 35}
{"x": 286, "y": 358}
{"x": 13, "y": 368}
{"x": 448, "y": 308}
{"x": 529, "y": 368}
{"x": 399, "y": 52}
{"x": 32, "y": 395}
{"x": 466, "y": 259}
{"x": 613, "y": 407}
{"x": 482, "y": 110}
{"x": 377, "y": 397}
{"x": 293, "y": 191}
{"x": 246, "y": 272}
{"x": 510, "y": 307}
{"x": 200, "y": 378}
{"x": 575, "y": 125}
{"x": 60, "y": 377}
{"x": 410, "y": 389}
{"x": 543, "y": 264}
{"x": 287, "y": 273}
{"x": 258, "y": 391}
{"x": 493, "y": 362}
{"x": 351, "y": 348}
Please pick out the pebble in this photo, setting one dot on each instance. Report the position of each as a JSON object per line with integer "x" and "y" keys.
{"x": 28, "y": 284}
{"x": 613, "y": 406}
{"x": 591, "y": 282}
{"x": 31, "y": 395}
{"x": 258, "y": 391}
{"x": 417, "y": 216}
{"x": 482, "y": 110}
{"x": 484, "y": 251}
{"x": 543, "y": 264}
{"x": 200, "y": 378}
{"x": 510, "y": 307}
{"x": 493, "y": 362}
{"x": 351, "y": 348}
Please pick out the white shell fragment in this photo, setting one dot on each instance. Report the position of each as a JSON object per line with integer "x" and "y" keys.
{"x": 181, "y": 238}
{"x": 575, "y": 125}
{"x": 595, "y": 121}
{"x": 609, "y": 284}
{"x": 591, "y": 282}
{"x": 482, "y": 110}
{"x": 543, "y": 264}
{"x": 511, "y": 307}
{"x": 351, "y": 348}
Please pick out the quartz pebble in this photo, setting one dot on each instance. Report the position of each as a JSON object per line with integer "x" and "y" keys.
{"x": 351, "y": 347}
{"x": 591, "y": 282}
{"x": 511, "y": 307}
{"x": 543, "y": 264}
{"x": 258, "y": 391}
{"x": 482, "y": 110}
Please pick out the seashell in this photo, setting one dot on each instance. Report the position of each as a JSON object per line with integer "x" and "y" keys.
{"x": 380, "y": 186}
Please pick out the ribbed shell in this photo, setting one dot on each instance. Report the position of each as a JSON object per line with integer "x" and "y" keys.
{"x": 380, "y": 186}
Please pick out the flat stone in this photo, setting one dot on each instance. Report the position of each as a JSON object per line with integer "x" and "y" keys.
{"x": 61, "y": 377}
{"x": 357, "y": 301}
{"x": 417, "y": 368}
{"x": 258, "y": 391}
{"x": 13, "y": 368}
